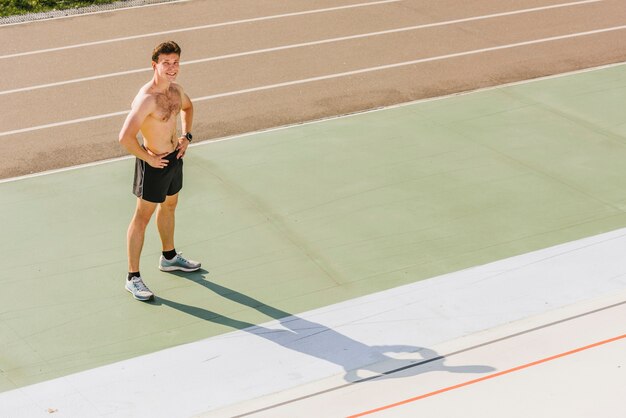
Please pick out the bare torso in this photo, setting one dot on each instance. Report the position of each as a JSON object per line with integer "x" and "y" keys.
{"x": 159, "y": 128}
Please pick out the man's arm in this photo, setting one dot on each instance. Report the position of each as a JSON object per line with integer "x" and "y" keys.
{"x": 132, "y": 124}
{"x": 186, "y": 115}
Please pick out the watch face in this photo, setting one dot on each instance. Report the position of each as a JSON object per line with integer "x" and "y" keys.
{"x": 188, "y": 136}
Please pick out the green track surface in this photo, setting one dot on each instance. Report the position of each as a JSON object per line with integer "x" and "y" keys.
{"x": 307, "y": 216}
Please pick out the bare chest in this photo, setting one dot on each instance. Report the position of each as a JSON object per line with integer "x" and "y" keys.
{"x": 168, "y": 105}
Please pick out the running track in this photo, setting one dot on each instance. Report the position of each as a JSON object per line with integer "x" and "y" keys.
{"x": 335, "y": 59}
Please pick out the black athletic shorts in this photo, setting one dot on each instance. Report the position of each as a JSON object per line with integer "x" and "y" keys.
{"x": 154, "y": 184}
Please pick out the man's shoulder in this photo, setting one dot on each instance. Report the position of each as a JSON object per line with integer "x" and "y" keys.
{"x": 144, "y": 98}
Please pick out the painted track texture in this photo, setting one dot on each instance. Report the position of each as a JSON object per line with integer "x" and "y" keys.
{"x": 259, "y": 64}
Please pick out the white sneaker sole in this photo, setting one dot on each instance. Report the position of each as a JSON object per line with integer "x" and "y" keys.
{"x": 139, "y": 297}
{"x": 174, "y": 268}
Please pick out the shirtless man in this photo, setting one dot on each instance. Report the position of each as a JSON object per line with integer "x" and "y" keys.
{"x": 159, "y": 164}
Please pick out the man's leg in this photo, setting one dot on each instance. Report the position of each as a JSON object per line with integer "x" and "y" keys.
{"x": 137, "y": 231}
{"x": 165, "y": 219}
{"x": 170, "y": 260}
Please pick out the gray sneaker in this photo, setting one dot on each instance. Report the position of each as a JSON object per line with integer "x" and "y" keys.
{"x": 137, "y": 287}
{"x": 178, "y": 263}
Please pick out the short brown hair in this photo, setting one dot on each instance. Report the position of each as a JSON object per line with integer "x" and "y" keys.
{"x": 169, "y": 47}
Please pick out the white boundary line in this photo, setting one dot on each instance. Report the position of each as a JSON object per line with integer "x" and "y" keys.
{"x": 306, "y": 44}
{"x": 406, "y": 63}
{"x": 279, "y": 128}
{"x": 66, "y": 122}
{"x": 91, "y": 78}
{"x": 213, "y": 25}
{"x": 328, "y": 77}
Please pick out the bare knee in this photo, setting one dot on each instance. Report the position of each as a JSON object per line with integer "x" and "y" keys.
{"x": 169, "y": 204}
{"x": 142, "y": 215}
{"x": 139, "y": 222}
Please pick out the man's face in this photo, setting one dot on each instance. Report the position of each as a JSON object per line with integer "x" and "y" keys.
{"x": 168, "y": 66}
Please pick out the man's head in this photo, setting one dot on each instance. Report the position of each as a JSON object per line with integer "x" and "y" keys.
{"x": 166, "y": 60}
{"x": 165, "y": 48}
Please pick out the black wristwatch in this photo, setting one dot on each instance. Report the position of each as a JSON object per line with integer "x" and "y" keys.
{"x": 188, "y": 136}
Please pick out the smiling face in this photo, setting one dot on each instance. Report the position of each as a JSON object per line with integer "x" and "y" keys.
{"x": 167, "y": 66}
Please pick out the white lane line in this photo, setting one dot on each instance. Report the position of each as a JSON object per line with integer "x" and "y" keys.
{"x": 63, "y": 123}
{"x": 407, "y": 63}
{"x": 80, "y": 80}
{"x": 331, "y": 76}
{"x": 213, "y": 25}
{"x": 306, "y": 44}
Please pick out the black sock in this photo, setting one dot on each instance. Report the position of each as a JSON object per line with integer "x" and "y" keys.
{"x": 133, "y": 274}
{"x": 169, "y": 254}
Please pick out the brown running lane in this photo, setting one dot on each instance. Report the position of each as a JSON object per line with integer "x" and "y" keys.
{"x": 63, "y": 146}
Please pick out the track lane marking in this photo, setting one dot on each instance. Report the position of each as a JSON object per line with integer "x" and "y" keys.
{"x": 306, "y": 44}
{"x": 491, "y": 376}
{"x": 209, "y": 26}
{"x": 330, "y": 76}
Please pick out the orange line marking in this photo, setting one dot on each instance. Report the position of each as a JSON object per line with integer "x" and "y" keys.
{"x": 491, "y": 376}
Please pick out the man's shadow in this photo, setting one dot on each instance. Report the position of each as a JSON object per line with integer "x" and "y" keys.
{"x": 319, "y": 341}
